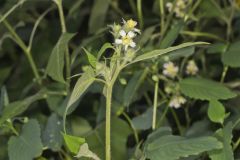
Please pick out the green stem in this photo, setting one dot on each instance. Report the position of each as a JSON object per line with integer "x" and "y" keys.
{"x": 235, "y": 146}
{"x": 108, "y": 123}
{"x": 155, "y": 105}
{"x": 25, "y": 49}
{"x": 132, "y": 126}
{"x": 224, "y": 73}
{"x": 67, "y": 54}
{"x": 140, "y": 16}
{"x": 161, "y": 6}
{"x": 177, "y": 121}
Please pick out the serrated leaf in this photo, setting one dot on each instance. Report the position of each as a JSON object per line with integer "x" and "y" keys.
{"x": 98, "y": 15}
{"x": 91, "y": 58}
{"x": 225, "y": 136}
{"x": 232, "y": 57}
{"x": 18, "y": 107}
{"x": 205, "y": 89}
{"x": 73, "y": 143}
{"x": 52, "y": 137}
{"x": 216, "y": 111}
{"x": 103, "y": 49}
{"x": 120, "y": 130}
{"x": 170, "y": 147}
{"x": 55, "y": 64}
{"x": 28, "y": 145}
{"x": 160, "y": 52}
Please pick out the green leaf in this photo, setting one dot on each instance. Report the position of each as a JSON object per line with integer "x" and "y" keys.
{"x": 232, "y": 57}
{"x": 52, "y": 137}
{"x": 205, "y": 89}
{"x": 133, "y": 85}
{"x": 146, "y": 35}
{"x": 103, "y": 49}
{"x": 225, "y": 136}
{"x": 169, "y": 147}
{"x": 98, "y": 15}
{"x": 143, "y": 121}
{"x": 171, "y": 35}
{"x": 55, "y": 64}
{"x": 91, "y": 58}
{"x": 4, "y": 72}
{"x": 217, "y": 48}
{"x": 79, "y": 89}
{"x": 73, "y": 143}
{"x": 28, "y": 144}
{"x": 216, "y": 111}
{"x": 18, "y": 107}
{"x": 4, "y": 101}
{"x": 120, "y": 131}
{"x": 160, "y": 52}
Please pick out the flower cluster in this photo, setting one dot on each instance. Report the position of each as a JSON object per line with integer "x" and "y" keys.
{"x": 124, "y": 34}
{"x": 178, "y": 9}
{"x": 170, "y": 70}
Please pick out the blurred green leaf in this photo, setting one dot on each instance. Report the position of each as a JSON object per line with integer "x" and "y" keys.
{"x": 98, "y": 15}
{"x": 73, "y": 143}
{"x": 18, "y": 107}
{"x": 232, "y": 57}
{"x": 170, "y": 147}
{"x": 216, "y": 111}
{"x": 4, "y": 101}
{"x": 52, "y": 137}
{"x": 225, "y": 136}
{"x": 143, "y": 121}
{"x": 103, "y": 49}
{"x": 4, "y": 72}
{"x": 217, "y": 48}
{"x": 28, "y": 144}
{"x": 205, "y": 89}
{"x": 55, "y": 64}
{"x": 171, "y": 35}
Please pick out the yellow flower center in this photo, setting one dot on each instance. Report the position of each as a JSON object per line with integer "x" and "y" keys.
{"x": 126, "y": 40}
{"x": 131, "y": 23}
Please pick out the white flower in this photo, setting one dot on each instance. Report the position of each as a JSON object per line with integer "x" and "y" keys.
{"x": 177, "y": 101}
{"x": 126, "y": 39}
{"x": 191, "y": 68}
{"x": 170, "y": 69}
{"x": 179, "y": 9}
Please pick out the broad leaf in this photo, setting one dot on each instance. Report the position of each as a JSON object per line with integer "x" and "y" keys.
{"x": 225, "y": 136}
{"x": 143, "y": 121}
{"x": 73, "y": 143}
{"x": 232, "y": 57}
{"x": 169, "y": 147}
{"x": 98, "y": 15}
{"x": 120, "y": 131}
{"x": 160, "y": 52}
{"x": 216, "y": 111}
{"x": 28, "y": 144}
{"x": 52, "y": 137}
{"x": 217, "y": 48}
{"x": 18, "y": 107}
{"x": 56, "y": 61}
{"x": 205, "y": 89}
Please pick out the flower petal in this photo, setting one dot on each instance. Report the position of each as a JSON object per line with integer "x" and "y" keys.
{"x": 122, "y": 33}
{"x": 131, "y": 34}
{"x": 118, "y": 41}
{"x": 133, "y": 44}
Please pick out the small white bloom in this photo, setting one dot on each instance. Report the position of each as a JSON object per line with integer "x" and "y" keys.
{"x": 170, "y": 69}
{"x": 169, "y": 6}
{"x": 191, "y": 68}
{"x": 179, "y": 8}
{"x": 177, "y": 101}
{"x": 126, "y": 39}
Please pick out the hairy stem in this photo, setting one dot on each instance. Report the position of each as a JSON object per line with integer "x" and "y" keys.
{"x": 108, "y": 123}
